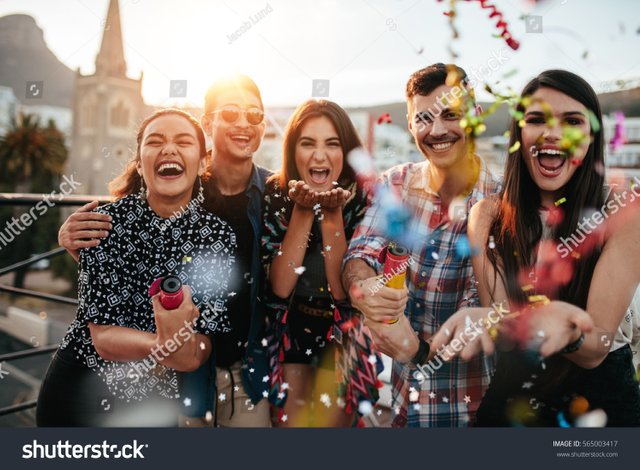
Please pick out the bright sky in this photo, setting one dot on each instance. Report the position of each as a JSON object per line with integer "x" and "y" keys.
{"x": 366, "y": 48}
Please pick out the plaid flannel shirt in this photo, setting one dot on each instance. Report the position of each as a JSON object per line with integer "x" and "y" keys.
{"x": 440, "y": 282}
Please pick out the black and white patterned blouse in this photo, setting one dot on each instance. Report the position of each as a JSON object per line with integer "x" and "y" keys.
{"x": 115, "y": 276}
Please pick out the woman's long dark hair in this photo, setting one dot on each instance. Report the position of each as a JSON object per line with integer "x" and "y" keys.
{"x": 517, "y": 229}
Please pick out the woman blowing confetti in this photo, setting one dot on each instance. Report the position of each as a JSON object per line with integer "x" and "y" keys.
{"x": 311, "y": 210}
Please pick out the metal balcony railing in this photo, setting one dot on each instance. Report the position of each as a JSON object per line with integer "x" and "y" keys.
{"x": 23, "y": 199}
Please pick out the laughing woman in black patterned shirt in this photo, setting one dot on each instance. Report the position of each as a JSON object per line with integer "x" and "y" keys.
{"x": 119, "y": 362}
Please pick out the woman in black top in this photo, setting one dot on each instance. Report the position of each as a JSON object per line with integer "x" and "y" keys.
{"x": 560, "y": 250}
{"x": 311, "y": 210}
{"x": 118, "y": 363}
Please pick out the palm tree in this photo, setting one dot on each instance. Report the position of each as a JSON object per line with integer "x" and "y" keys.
{"x": 31, "y": 159}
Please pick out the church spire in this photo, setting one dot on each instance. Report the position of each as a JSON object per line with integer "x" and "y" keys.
{"x": 110, "y": 59}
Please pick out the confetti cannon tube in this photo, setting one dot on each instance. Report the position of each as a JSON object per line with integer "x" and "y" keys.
{"x": 170, "y": 289}
{"x": 395, "y": 269}
{"x": 395, "y": 266}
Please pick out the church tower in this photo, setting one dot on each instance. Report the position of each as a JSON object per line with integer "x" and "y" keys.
{"x": 107, "y": 109}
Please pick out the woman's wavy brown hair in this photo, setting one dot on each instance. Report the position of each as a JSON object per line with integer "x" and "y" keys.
{"x": 347, "y": 135}
{"x": 129, "y": 181}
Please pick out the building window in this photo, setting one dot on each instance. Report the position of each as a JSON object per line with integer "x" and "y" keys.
{"x": 119, "y": 115}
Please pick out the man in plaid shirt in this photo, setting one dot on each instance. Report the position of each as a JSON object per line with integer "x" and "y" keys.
{"x": 438, "y": 194}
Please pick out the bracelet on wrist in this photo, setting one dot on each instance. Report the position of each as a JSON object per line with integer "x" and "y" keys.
{"x": 573, "y": 347}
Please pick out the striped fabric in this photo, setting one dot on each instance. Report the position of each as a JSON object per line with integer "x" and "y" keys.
{"x": 440, "y": 282}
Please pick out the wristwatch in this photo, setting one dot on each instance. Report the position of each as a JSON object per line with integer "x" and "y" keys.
{"x": 423, "y": 353}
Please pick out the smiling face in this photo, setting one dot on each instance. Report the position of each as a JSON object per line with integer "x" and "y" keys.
{"x": 318, "y": 154}
{"x": 239, "y": 139}
{"x": 436, "y": 129}
{"x": 170, "y": 161}
{"x": 550, "y": 165}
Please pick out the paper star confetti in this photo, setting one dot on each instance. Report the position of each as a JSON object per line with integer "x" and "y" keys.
{"x": 265, "y": 378}
{"x": 251, "y": 371}
{"x": 264, "y": 342}
{"x": 527, "y": 385}
{"x": 299, "y": 270}
{"x": 187, "y": 402}
{"x": 265, "y": 394}
{"x": 445, "y": 399}
{"x": 308, "y": 352}
{"x": 325, "y": 400}
{"x": 284, "y": 418}
{"x": 467, "y": 399}
{"x": 414, "y": 395}
{"x": 432, "y": 395}
{"x": 222, "y": 397}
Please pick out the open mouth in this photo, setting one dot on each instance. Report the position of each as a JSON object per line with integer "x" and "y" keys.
{"x": 170, "y": 170}
{"x": 240, "y": 139}
{"x": 440, "y": 146}
{"x": 319, "y": 175}
{"x": 551, "y": 161}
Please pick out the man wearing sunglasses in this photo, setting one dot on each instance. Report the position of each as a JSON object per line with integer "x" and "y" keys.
{"x": 229, "y": 389}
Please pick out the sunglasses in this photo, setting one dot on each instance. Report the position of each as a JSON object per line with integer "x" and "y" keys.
{"x": 231, "y": 114}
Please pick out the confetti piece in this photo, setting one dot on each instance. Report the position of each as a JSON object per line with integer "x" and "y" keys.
{"x": 299, "y": 270}
{"x": 467, "y": 399}
{"x": 325, "y": 400}
{"x": 222, "y": 397}
{"x": 284, "y": 418}
{"x": 384, "y": 118}
{"x": 579, "y": 406}
{"x": 527, "y": 385}
{"x": 202, "y": 345}
{"x": 514, "y": 147}
{"x": 264, "y": 342}
{"x": 432, "y": 395}
{"x": 500, "y": 24}
{"x": 560, "y": 201}
{"x": 187, "y": 402}
{"x": 186, "y": 259}
{"x": 445, "y": 399}
{"x": 562, "y": 421}
{"x": 372, "y": 359}
{"x": 308, "y": 352}
{"x": 619, "y": 138}
{"x": 492, "y": 242}
{"x": 414, "y": 396}
{"x": 365, "y": 407}
{"x": 593, "y": 419}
